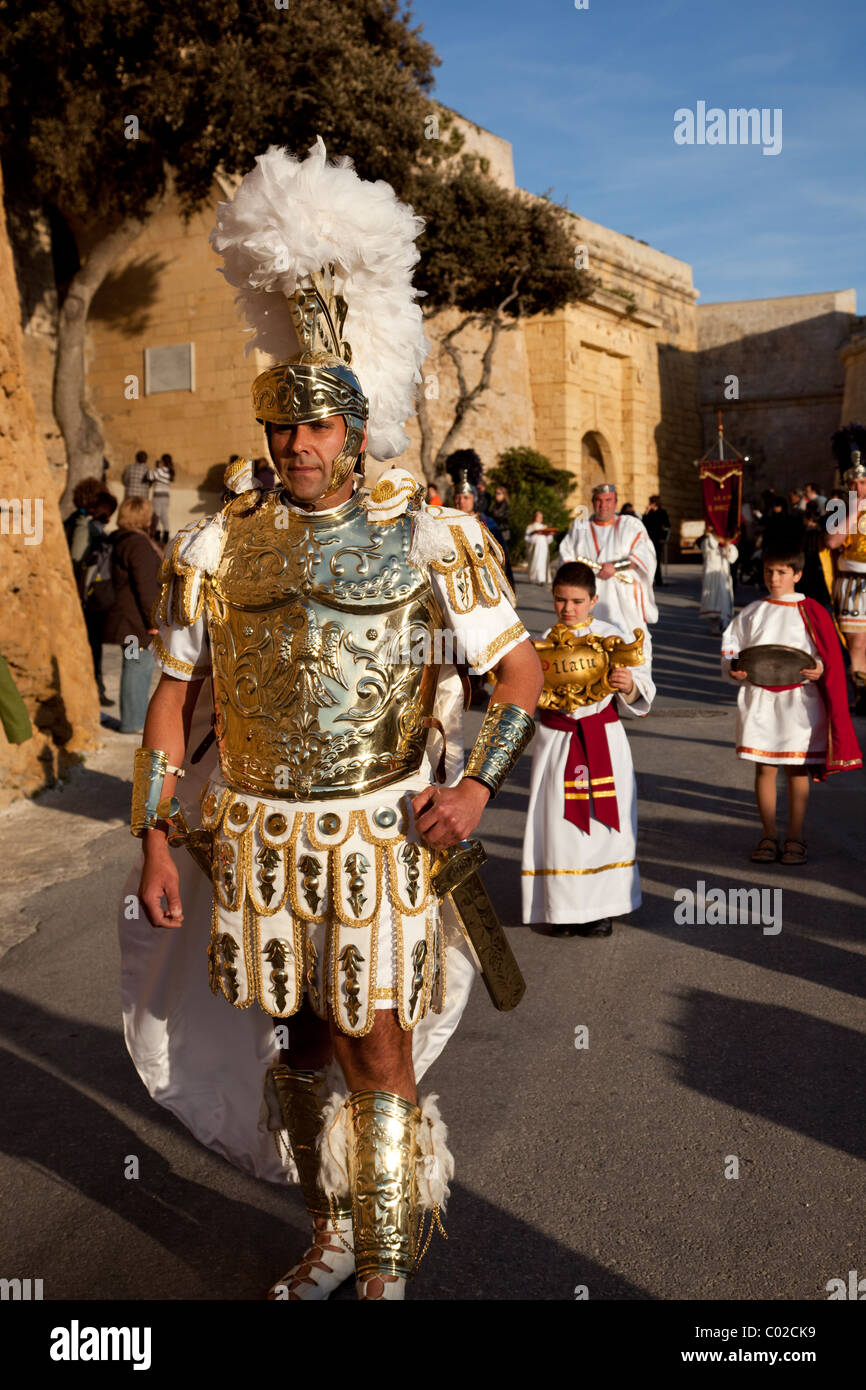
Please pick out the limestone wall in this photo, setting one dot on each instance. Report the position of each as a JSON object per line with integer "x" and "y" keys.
{"x": 853, "y": 359}
{"x": 42, "y": 634}
{"x": 614, "y": 377}
{"x": 785, "y": 355}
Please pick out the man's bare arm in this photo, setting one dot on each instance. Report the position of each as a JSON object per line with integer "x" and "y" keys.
{"x": 167, "y": 726}
{"x": 446, "y": 815}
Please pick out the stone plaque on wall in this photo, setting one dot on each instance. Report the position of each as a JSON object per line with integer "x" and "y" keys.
{"x": 169, "y": 368}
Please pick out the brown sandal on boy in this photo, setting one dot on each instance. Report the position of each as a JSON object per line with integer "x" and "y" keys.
{"x": 767, "y": 851}
{"x": 794, "y": 856}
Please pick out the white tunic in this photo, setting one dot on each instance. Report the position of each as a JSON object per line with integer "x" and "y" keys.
{"x": 570, "y": 875}
{"x": 785, "y": 727}
{"x": 625, "y": 605}
{"x": 717, "y": 586}
{"x": 538, "y": 554}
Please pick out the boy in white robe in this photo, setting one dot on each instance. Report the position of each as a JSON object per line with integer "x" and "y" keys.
{"x": 804, "y": 728}
{"x": 580, "y": 877}
{"x": 717, "y": 584}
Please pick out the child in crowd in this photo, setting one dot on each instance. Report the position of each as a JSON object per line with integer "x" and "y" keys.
{"x": 579, "y": 862}
{"x": 805, "y": 728}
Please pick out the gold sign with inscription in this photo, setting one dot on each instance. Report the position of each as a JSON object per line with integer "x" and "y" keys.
{"x": 577, "y": 664}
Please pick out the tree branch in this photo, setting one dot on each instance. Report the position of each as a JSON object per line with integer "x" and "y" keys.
{"x": 82, "y": 434}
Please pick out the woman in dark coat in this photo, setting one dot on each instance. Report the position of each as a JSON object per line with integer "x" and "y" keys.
{"x": 134, "y": 573}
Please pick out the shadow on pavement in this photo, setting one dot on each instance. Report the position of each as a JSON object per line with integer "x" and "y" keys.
{"x": 791, "y": 952}
{"x": 793, "y": 1069}
{"x": 71, "y": 1138}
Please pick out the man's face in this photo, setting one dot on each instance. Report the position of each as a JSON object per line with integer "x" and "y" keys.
{"x": 466, "y": 502}
{"x": 304, "y": 454}
{"x": 604, "y": 504}
{"x": 860, "y": 488}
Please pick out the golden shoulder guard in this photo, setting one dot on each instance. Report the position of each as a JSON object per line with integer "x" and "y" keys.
{"x": 462, "y": 550}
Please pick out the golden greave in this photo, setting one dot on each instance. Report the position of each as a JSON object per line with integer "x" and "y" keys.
{"x": 302, "y": 1099}
{"x": 383, "y": 1182}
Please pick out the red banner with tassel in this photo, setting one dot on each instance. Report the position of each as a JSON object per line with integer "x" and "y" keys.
{"x": 722, "y": 487}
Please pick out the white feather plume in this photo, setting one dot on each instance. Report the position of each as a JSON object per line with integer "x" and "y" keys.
{"x": 435, "y": 1163}
{"x": 291, "y": 217}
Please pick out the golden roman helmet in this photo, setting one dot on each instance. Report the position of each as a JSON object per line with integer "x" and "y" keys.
{"x": 311, "y": 247}
{"x": 317, "y": 381}
{"x": 856, "y": 471}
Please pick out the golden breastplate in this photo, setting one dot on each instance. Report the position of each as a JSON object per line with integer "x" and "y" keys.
{"x": 855, "y": 544}
{"x": 313, "y": 621}
{"x": 576, "y": 665}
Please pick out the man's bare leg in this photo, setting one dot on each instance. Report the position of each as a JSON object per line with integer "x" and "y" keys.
{"x": 382, "y": 1062}
{"x": 857, "y": 651}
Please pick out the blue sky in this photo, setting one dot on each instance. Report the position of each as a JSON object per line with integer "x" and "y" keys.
{"x": 587, "y": 99}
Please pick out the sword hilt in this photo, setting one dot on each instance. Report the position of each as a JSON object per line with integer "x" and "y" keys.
{"x": 454, "y": 865}
{"x": 198, "y": 842}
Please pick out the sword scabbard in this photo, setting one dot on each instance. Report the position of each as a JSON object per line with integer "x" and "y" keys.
{"x": 455, "y": 877}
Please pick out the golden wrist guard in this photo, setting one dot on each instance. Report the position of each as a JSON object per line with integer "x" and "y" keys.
{"x": 504, "y": 734}
{"x": 148, "y": 772}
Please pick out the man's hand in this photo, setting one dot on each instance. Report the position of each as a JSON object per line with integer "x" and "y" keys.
{"x": 813, "y": 673}
{"x": 607, "y": 571}
{"x": 621, "y": 679}
{"x": 739, "y": 675}
{"x": 159, "y": 879}
{"x": 447, "y": 815}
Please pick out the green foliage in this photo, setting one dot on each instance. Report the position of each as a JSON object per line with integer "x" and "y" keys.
{"x": 491, "y": 251}
{"x": 533, "y": 484}
{"x": 212, "y": 86}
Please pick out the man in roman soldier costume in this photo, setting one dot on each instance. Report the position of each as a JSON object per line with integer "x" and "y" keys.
{"x": 849, "y": 588}
{"x": 618, "y": 549}
{"x": 339, "y": 789}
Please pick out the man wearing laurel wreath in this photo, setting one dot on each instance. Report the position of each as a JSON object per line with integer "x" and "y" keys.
{"x": 579, "y": 848}
{"x": 337, "y": 774}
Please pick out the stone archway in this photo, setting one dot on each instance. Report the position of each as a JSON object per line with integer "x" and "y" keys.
{"x": 595, "y": 461}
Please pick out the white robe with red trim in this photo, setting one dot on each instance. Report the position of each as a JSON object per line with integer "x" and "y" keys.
{"x": 625, "y": 605}
{"x": 784, "y": 727}
{"x": 568, "y": 874}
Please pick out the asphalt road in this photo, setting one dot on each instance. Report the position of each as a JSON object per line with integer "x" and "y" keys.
{"x": 602, "y": 1166}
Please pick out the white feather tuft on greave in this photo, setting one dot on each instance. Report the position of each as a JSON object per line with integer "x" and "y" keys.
{"x": 333, "y": 1141}
{"x": 435, "y": 1160}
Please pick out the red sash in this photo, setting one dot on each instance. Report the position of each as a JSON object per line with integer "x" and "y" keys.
{"x": 588, "y": 754}
{"x": 843, "y": 750}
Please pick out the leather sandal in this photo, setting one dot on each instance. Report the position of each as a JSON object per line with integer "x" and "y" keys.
{"x": 766, "y": 851}
{"x": 797, "y": 855}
